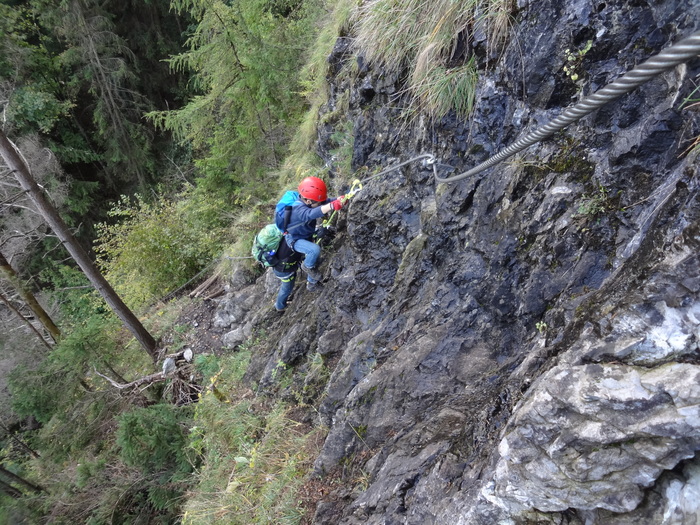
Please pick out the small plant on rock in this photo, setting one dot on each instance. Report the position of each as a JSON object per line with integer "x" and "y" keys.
{"x": 595, "y": 203}
{"x": 692, "y": 102}
{"x": 573, "y": 61}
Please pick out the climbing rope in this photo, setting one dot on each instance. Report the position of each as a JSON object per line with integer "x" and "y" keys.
{"x": 429, "y": 160}
{"x": 665, "y": 60}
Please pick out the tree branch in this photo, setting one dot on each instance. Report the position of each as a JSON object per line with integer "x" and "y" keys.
{"x": 144, "y": 381}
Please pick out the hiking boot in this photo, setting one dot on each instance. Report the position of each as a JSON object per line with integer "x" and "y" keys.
{"x": 314, "y": 287}
{"x": 312, "y": 272}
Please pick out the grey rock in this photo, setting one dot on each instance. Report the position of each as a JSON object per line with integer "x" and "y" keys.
{"x": 594, "y": 436}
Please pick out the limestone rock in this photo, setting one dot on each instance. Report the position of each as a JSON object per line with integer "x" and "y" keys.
{"x": 595, "y": 436}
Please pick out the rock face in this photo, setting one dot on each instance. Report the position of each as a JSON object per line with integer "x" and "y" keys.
{"x": 521, "y": 346}
{"x": 593, "y": 436}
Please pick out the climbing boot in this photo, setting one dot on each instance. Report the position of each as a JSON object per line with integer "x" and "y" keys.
{"x": 312, "y": 272}
{"x": 314, "y": 287}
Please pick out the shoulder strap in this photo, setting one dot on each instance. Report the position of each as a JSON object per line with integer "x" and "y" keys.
{"x": 287, "y": 217}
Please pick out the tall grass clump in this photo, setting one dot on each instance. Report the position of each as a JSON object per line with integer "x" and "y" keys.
{"x": 429, "y": 40}
{"x": 254, "y": 457}
{"x": 313, "y": 77}
{"x": 440, "y": 89}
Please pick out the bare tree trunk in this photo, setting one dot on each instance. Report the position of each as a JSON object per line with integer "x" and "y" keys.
{"x": 19, "y": 442}
{"x": 29, "y": 298}
{"x": 7, "y": 303}
{"x": 19, "y": 168}
{"x": 142, "y": 381}
{"x": 14, "y": 477}
{"x": 10, "y": 490}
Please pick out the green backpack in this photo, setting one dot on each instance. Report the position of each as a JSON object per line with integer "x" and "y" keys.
{"x": 266, "y": 245}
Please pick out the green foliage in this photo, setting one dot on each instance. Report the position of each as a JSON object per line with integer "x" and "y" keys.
{"x": 81, "y": 198}
{"x": 42, "y": 392}
{"x": 102, "y": 62}
{"x": 153, "y": 439}
{"x": 442, "y": 89}
{"x": 207, "y": 365}
{"x": 595, "y": 203}
{"x": 73, "y": 71}
{"x": 574, "y": 59}
{"x": 72, "y": 291}
{"x": 87, "y": 470}
{"x": 253, "y": 460}
{"x": 244, "y": 60}
{"x": 32, "y": 109}
{"x": 313, "y": 78}
{"x": 692, "y": 101}
{"x": 342, "y": 154}
{"x": 54, "y": 386}
{"x": 155, "y": 248}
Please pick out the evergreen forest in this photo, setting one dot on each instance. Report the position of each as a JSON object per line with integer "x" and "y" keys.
{"x": 159, "y": 131}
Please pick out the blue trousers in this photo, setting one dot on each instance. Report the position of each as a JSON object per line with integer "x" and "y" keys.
{"x": 286, "y": 287}
{"x": 311, "y": 251}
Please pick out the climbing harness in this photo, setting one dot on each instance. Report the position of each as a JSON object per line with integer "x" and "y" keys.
{"x": 665, "y": 60}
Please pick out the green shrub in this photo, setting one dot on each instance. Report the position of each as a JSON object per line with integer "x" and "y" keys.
{"x": 254, "y": 458}
{"x": 153, "y": 439}
{"x": 42, "y": 392}
{"x": 157, "y": 247}
{"x": 77, "y": 298}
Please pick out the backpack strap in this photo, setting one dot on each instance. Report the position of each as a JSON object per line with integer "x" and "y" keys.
{"x": 287, "y": 218}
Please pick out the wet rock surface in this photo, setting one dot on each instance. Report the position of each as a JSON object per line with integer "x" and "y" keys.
{"x": 521, "y": 345}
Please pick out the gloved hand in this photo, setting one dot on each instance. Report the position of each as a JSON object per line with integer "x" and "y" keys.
{"x": 324, "y": 234}
{"x": 337, "y": 203}
{"x": 321, "y": 232}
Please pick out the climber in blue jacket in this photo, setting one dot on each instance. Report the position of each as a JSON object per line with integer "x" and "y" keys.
{"x": 311, "y": 204}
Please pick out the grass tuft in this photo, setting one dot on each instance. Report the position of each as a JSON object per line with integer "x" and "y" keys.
{"x": 254, "y": 458}
{"x": 432, "y": 40}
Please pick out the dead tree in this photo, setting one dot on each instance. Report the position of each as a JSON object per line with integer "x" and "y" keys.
{"x": 17, "y": 479}
{"x": 29, "y": 298}
{"x": 9, "y": 490}
{"x": 18, "y": 441}
{"x": 21, "y": 172}
{"x": 177, "y": 368}
{"x": 12, "y": 308}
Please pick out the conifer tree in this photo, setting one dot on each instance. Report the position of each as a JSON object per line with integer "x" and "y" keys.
{"x": 103, "y": 60}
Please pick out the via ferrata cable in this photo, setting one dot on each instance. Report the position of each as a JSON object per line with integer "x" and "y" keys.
{"x": 667, "y": 59}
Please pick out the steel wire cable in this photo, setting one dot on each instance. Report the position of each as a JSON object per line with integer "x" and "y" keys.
{"x": 667, "y": 59}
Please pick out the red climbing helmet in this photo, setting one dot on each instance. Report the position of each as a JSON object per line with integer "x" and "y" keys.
{"x": 313, "y": 188}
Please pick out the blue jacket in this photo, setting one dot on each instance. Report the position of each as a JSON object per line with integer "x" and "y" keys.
{"x": 302, "y": 223}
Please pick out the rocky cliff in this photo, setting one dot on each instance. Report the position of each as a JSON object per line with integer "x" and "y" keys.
{"x": 520, "y": 346}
